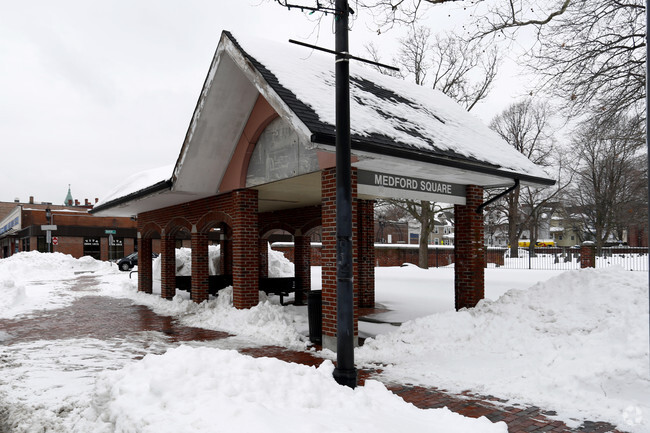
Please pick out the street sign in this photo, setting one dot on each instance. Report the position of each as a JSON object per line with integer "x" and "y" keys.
{"x": 48, "y": 237}
{"x": 48, "y": 227}
{"x": 55, "y": 240}
{"x": 110, "y": 232}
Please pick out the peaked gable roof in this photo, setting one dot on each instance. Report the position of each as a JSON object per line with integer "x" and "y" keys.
{"x": 391, "y": 119}
{"x": 389, "y": 116}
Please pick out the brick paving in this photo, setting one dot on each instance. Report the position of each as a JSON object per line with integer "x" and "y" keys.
{"x": 519, "y": 419}
{"x": 104, "y": 317}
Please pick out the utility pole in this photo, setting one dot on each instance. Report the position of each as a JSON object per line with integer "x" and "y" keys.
{"x": 345, "y": 373}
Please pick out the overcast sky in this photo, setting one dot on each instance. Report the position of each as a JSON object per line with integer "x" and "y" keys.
{"x": 92, "y": 92}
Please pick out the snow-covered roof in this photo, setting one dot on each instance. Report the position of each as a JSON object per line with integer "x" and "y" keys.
{"x": 395, "y": 126}
{"x": 137, "y": 183}
{"x": 386, "y": 112}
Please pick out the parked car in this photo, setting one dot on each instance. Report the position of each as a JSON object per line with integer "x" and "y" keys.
{"x": 127, "y": 263}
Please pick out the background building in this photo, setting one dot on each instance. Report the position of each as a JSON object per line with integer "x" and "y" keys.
{"x": 77, "y": 233}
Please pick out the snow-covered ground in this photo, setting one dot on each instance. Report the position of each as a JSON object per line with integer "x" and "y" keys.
{"x": 575, "y": 342}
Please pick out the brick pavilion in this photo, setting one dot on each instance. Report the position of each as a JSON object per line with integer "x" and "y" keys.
{"x": 259, "y": 157}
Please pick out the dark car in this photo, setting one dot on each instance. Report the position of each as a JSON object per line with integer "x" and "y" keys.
{"x": 127, "y": 263}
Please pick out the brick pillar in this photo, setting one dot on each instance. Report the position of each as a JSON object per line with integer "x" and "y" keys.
{"x": 167, "y": 266}
{"x": 264, "y": 258}
{"x": 469, "y": 253}
{"x": 145, "y": 272}
{"x": 226, "y": 256}
{"x": 200, "y": 288}
{"x": 366, "y": 255}
{"x": 328, "y": 256}
{"x": 588, "y": 255}
{"x": 302, "y": 263}
{"x": 245, "y": 249}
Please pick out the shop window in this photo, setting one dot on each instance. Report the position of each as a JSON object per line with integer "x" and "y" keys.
{"x": 115, "y": 248}
{"x": 26, "y": 246}
{"x": 91, "y": 248}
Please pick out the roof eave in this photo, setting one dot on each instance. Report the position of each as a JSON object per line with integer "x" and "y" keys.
{"x": 155, "y": 188}
{"x": 415, "y": 155}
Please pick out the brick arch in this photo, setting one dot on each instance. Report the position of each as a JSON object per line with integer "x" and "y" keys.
{"x": 176, "y": 224}
{"x": 149, "y": 229}
{"x": 213, "y": 218}
{"x": 261, "y": 115}
{"x": 282, "y": 225}
{"x": 311, "y": 225}
{"x": 265, "y": 119}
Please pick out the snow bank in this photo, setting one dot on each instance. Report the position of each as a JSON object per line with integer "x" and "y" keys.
{"x": 279, "y": 265}
{"x": 268, "y": 322}
{"x": 31, "y": 281}
{"x": 576, "y": 344}
{"x": 204, "y": 389}
{"x": 35, "y": 266}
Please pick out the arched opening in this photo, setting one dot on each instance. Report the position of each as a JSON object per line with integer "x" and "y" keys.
{"x": 279, "y": 274}
{"x": 176, "y": 250}
{"x": 218, "y": 239}
{"x": 148, "y": 249}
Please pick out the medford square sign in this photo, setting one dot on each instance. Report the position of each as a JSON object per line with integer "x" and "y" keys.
{"x": 389, "y": 185}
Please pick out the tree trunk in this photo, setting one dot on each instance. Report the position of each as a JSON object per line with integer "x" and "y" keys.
{"x": 513, "y": 217}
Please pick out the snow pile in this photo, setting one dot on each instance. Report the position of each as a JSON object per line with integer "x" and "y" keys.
{"x": 31, "y": 281}
{"x": 12, "y": 297}
{"x": 35, "y": 266}
{"x": 266, "y": 323}
{"x": 170, "y": 393}
{"x": 576, "y": 344}
{"x": 279, "y": 265}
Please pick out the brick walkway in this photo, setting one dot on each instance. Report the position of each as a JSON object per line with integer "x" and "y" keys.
{"x": 104, "y": 317}
{"x": 519, "y": 419}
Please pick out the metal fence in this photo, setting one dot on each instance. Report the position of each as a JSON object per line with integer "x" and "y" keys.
{"x": 564, "y": 258}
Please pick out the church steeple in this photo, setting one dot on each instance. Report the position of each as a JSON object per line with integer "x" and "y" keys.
{"x": 68, "y": 198}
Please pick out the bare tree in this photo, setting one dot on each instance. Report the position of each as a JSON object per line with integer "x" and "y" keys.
{"x": 525, "y": 126}
{"x": 464, "y": 72}
{"x": 589, "y": 53}
{"x": 610, "y": 174}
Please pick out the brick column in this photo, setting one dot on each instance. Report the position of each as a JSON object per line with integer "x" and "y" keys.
{"x": 167, "y": 266}
{"x": 366, "y": 255}
{"x": 245, "y": 249}
{"x": 200, "y": 283}
{"x": 144, "y": 265}
{"x": 264, "y": 258}
{"x": 469, "y": 253}
{"x": 587, "y": 255}
{"x": 302, "y": 263}
{"x": 226, "y": 256}
{"x": 328, "y": 256}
